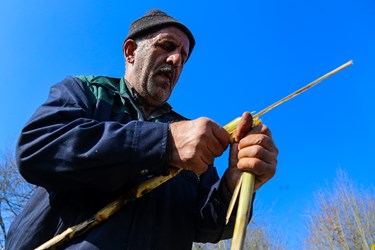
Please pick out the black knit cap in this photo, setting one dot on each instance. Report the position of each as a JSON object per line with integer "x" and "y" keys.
{"x": 154, "y": 20}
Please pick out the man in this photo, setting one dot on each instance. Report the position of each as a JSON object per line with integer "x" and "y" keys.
{"x": 97, "y": 137}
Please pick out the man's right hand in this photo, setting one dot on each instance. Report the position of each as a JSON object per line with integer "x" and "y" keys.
{"x": 196, "y": 143}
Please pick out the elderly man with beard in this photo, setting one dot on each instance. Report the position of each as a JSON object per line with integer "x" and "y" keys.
{"x": 97, "y": 137}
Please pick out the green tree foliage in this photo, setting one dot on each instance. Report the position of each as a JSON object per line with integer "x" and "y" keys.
{"x": 14, "y": 193}
{"x": 343, "y": 218}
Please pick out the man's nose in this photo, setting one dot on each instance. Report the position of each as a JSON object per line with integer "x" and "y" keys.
{"x": 175, "y": 58}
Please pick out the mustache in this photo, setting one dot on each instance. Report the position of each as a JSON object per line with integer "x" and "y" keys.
{"x": 167, "y": 68}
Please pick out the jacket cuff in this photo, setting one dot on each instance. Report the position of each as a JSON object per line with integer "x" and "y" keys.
{"x": 150, "y": 147}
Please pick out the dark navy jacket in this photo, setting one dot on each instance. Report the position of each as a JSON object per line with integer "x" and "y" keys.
{"x": 88, "y": 144}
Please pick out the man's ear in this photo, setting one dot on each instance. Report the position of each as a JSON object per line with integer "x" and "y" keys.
{"x": 128, "y": 48}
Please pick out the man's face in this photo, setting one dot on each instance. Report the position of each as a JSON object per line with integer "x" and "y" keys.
{"x": 158, "y": 63}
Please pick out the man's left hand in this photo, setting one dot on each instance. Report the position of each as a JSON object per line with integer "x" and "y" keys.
{"x": 254, "y": 151}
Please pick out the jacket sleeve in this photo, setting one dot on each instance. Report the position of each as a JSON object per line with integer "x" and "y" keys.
{"x": 63, "y": 148}
{"x": 211, "y": 214}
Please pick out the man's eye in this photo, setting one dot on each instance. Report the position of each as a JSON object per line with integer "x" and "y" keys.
{"x": 167, "y": 46}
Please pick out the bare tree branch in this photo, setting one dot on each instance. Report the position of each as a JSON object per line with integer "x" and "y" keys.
{"x": 343, "y": 217}
{"x": 14, "y": 192}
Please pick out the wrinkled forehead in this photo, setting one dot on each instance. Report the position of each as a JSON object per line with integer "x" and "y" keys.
{"x": 174, "y": 34}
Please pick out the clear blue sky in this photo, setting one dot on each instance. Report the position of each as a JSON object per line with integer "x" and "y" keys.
{"x": 248, "y": 55}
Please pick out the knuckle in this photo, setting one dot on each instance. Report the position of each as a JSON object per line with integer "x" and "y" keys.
{"x": 272, "y": 170}
{"x": 246, "y": 163}
{"x": 259, "y": 140}
{"x": 276, "y": 150}
{"x": 262, "y": 129}
{"x": 189, "y": 155}
{"x": 256, "y": 151}
{"x": 203, "y": 120}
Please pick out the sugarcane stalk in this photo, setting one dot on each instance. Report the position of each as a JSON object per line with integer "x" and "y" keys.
{"x": 244, "y": 189}
{"x": 243, "y": 210}
{"x": 109, "y": 210}
{"x": 247, "y": 184}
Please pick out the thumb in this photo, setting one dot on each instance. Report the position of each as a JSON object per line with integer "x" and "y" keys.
{"x": 245, "y": 125}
